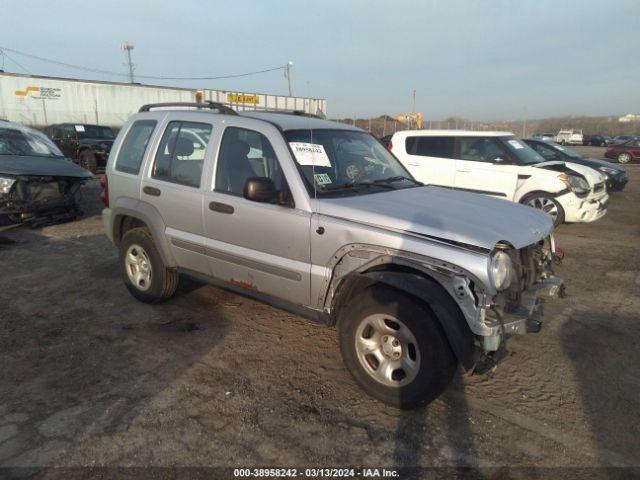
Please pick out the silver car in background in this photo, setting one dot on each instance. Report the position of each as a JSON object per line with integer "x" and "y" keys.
{"x": 320, "y": 219}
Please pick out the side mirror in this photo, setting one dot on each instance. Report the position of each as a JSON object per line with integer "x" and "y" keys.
{"x": 261, "y": 189}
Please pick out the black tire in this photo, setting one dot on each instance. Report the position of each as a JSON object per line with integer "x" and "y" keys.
{"x": 87, "y": 159}
{"x": 437, "y": 364}
{"x": 559, "y": 219}
{"x": 164, "y": 281}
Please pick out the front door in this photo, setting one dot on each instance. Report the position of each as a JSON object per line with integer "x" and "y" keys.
{"x": 258, "y": 246}
{"x": 482, "y": 166}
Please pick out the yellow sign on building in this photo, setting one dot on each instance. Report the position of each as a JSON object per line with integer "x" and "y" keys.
{"x": 239, "y": 98}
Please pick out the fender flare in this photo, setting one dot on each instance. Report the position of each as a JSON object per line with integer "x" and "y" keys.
{"x": 152, "y": 219}
{"x": 444, "y": 307}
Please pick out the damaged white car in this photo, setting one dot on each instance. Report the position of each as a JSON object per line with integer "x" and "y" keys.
{"x": 38, "y": 185}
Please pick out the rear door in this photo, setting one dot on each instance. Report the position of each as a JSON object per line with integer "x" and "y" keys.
{"x": 483, "y": 166}
{"x": 173, "y": 185}
{"x": 431, "y": 159}
{"x": 258, "y": 246}
{"x": 634, "y": 148}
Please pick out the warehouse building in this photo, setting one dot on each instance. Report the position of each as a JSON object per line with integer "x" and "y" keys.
{"x": 40, "y": 101}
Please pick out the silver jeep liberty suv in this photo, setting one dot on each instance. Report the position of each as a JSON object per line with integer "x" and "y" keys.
{"x": 320, "y": 219}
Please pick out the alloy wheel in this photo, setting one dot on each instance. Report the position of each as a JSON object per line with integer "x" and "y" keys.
{"x": 546, "y": 205}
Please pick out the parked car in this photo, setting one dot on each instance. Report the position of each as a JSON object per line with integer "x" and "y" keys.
{"x": 594, "y": 140}
{"x": 418, "y": 279}
{"x": 501, "y": 165}
{"x": 619, "y": 139}
{"x": 569, "y": 137}
{"x": 544, "y": 136}
{"x": 38, "y": 185}
{"x": 386, "y": 139}
{"x": 87, "y": 145}
{"x": 616, "y": 175}
{"x": 624, "y": 152}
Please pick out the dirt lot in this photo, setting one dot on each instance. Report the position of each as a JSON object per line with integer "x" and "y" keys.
{"x": 90, "y": 377}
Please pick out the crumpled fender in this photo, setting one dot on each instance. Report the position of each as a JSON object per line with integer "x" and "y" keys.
{"x": 444, "y": 307}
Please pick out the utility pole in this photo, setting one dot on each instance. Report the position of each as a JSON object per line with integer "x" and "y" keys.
{"x": 127, "y": 47}
{"x": 524, "y": 124}
{"x": 414, "y": 101}
{"x": 287, "y": 74}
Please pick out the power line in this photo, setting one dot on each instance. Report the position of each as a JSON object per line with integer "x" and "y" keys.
{"x": 4, "y": 54}
{"x": 148, "y": 77}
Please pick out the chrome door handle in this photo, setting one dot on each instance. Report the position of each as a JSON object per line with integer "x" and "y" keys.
{"x": 464, "y": 171}
{"x": 221, "y": 208}
{"x": 153, "y": 191}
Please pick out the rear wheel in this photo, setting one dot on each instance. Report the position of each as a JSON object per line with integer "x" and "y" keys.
{"x": 87, "y": 159}
{"x": 624, "y": 157}
{"x": 394, "y": 348}
{"x": 547, "y": 203}
{"x": 143, "y": 270}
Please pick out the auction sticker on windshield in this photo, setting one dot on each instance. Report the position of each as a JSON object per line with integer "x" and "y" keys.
{"x": 516, "y": 144}
{"x": 310, "y": 154}
{"x": 79, "y": 128}
{"x": 322, "y": 178}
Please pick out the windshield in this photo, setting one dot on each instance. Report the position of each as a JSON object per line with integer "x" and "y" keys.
{"x": 523, "y": 153}
{"x": 346, "y": 162}
{"x": 567, "y": 151}
{"x": 26, "y": 142}
{"x": 94, "y": 131}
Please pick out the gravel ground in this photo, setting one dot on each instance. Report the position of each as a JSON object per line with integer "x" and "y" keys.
{"x": 91, "y": 377}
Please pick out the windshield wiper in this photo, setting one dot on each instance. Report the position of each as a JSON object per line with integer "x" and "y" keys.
{"x": 344, "y": 186}
{"x": 397, "y": 179}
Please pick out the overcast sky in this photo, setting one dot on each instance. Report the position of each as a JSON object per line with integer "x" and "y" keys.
{"x": 482, "y": 60}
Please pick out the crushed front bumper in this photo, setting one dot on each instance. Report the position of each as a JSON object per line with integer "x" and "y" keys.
{"x": 529, "y": 313}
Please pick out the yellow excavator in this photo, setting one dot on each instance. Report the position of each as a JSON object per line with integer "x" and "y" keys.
{"x": 412, "y": 119}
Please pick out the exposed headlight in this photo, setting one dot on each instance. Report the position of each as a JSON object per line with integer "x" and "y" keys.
{"x": 576, "y": 184}
{"x": 5, "y": 184}
{"x": 500, "y": 270}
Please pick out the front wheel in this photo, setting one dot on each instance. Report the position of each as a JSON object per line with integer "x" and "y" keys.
{"x": 547, "y": 203}
{"x": 394, "y": 347}
{"x": 624, "y": 157}
{"x": 143, "y": 270}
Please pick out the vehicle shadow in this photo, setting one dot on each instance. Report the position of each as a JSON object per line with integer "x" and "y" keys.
{"x": 86, "y": 358}
{"x": 610, "y": 401}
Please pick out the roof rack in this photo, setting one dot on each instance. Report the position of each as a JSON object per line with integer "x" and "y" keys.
{"x": 208, "y": 104}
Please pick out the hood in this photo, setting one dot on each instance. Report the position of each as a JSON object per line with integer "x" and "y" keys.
{"x": 41, "y": 166}
{"x": 450, "y": 215}
{"x": 592, "y": 176}
{"x": 597, "y": 163}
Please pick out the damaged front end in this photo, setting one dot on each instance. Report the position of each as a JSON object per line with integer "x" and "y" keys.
{"x": 519, "y": 309}
{"x": 37, "y": 200}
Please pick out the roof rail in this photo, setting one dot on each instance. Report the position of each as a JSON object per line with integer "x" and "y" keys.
{"x": 208, "y": 104}
{"x": 300, "y": 113}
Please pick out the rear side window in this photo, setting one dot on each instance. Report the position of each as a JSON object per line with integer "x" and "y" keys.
{"x": 181, "y": 153}
{"x": 134, "y": 145}
{"x": 430, "y": 146}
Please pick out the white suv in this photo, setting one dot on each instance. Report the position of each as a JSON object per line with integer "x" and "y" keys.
{"x": 501, "y": 165}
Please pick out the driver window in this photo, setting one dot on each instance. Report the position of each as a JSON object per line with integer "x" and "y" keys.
{"x": 478, "y": 149}
{"x": 245, "y": 154}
